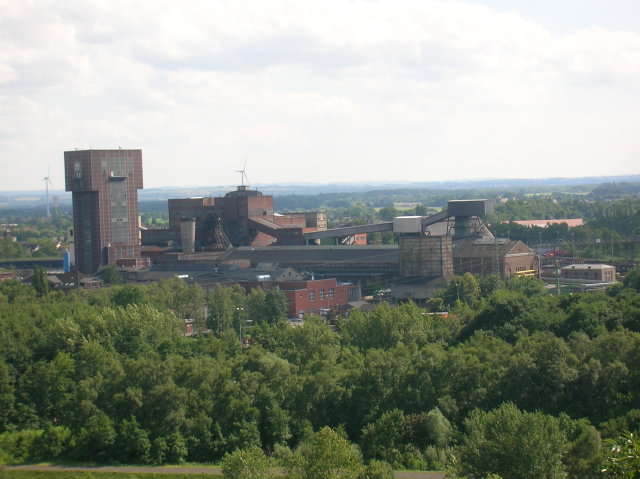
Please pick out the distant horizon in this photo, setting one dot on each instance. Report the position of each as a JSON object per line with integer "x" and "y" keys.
{"x": 501, "y": 183}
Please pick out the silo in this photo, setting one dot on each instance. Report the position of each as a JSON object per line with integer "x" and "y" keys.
{"x": 66, "y": 261}
{"x": 188, "y": 234}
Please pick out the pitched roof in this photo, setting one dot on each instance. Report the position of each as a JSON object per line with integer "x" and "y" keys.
{"x": 483, "y": 247}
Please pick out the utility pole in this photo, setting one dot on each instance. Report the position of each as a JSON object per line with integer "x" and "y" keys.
{"x": 573, "y": 250}
{"x": 557, "y": 279}
{"x": 240, "y": 311}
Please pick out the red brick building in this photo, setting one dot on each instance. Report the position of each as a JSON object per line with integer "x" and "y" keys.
{"x": 317, "y": 297}
{"x": 243, "y": 217}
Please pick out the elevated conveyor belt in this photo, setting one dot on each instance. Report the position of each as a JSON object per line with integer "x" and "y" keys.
{"x": 373, "y": 228}
{"x": 462, "y": 209}
{"x": 349, "y": 231}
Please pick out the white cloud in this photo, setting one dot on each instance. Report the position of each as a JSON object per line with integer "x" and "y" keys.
{"x": 353, "y": 86}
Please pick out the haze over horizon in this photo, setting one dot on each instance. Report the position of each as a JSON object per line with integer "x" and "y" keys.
{"x": 322, "y": 91}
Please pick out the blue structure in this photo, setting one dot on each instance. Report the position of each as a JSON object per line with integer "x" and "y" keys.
{"x": 66, "y": 262}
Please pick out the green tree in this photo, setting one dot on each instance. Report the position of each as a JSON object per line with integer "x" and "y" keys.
{"x": 54, "y": 442}
{"x": 623, "y": 460}
{"x": 377, "y": 470}
{"x": 255, "y": 305}
{"x": 177, "y": 450}
{"x": 388, "y": 213}
{"x": 127, "y": 295}
{"x": 275, "y": 306}
{"x": 431, "y": 428}
{"x": 513, "y": 444}
{"x": 96, "y": 438}
{"x": 326, "y": 455}
{"x": 248, "y": 463}
{"x": 420, "y": 210}
{"x": 632, "y": 279}
{"x": 133, "y": 444}
{"x": 529, "y": 285}
{"x": 489, "y": 284}
{"x": 39, "y": 281}
{"x": 7, "y": 396}
{"x": 266, "y": 306}
{"x": 465, "y": 288}
{"x": 383, "y": 439}
{"x": 50, "y": 386}
{"x": 110, "y": 275}
{"x": 223, "y": 303}
{"x": 14, "y": 290}
{"x": 583, "y": 459}
{"x": 185, "y": 300}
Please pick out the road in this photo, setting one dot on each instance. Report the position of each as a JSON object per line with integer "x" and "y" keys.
{"x": 180, "y": 470}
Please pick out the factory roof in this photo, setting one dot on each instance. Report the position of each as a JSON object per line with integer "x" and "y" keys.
{"x": 210, "y": 274}
{"x": 315, "y": 254}
{"x": 588, "y": 266}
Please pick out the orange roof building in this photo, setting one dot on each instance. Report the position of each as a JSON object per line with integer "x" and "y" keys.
{"x": 570, "y": 222}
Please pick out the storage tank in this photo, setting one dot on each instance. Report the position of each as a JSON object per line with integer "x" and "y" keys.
{"x": 188, "y": 234}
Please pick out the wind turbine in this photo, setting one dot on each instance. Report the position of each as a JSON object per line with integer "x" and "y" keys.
{"x": 243, "y": 174}
{"x": 47, "y": 182}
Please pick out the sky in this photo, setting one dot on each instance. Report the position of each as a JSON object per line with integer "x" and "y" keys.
{"x": 323, "y": 91}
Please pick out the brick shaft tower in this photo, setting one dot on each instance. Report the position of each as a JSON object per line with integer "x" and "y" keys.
{"x": 104, "y": 186}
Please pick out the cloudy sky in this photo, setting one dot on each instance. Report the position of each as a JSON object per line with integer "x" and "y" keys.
{"x": 321, "y": 90}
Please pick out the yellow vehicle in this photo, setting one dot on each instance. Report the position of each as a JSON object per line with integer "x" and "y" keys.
{"x": 526, "y": 272}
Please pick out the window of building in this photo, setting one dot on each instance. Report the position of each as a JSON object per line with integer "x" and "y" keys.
{"x": 322, "y": 294}
{"x": 331, "y": 293}
{"x": 312, "y": 295}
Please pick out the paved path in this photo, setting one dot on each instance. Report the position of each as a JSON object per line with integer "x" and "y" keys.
{"x": 180, "y": 470}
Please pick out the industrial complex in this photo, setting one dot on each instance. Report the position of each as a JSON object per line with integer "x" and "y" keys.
{"x": 239, "y": 238}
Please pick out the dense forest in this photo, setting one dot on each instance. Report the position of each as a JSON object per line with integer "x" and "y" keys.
{"x": 514, "y": 382}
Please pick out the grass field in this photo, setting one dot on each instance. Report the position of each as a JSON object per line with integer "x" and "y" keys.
{"x": 138, "y": 472}
{"x": 21, "y": 474}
